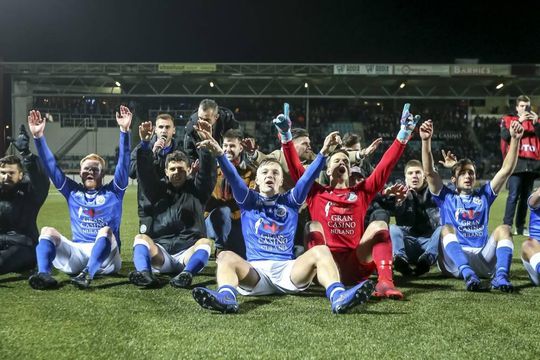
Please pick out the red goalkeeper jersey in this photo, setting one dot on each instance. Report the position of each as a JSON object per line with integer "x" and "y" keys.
{"x": 341, "y": 212}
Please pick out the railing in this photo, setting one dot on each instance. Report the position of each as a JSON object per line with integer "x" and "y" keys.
{"x": 88, "y": 121}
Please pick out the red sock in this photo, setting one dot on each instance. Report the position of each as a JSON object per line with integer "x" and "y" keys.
{"x": 315, "y": 238}
{"x": 382, "y": 255}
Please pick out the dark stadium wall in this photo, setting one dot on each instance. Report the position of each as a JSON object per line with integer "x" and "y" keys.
{"x": 5, "y": 113}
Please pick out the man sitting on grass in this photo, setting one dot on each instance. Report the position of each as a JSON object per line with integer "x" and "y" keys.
{"x": 338, "y": 210}
{"x": 269, "y": 223}
{"x": 174, "y": 241}
{"x": 530, "y": 249}
{"x": 95, "y": 212}
{"x": 466, "y": 249}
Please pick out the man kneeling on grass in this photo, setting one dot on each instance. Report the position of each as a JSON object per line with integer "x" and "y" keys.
{"x": 269, "y": 223}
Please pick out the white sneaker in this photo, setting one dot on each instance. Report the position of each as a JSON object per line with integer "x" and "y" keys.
{"x": 524, "y": 232}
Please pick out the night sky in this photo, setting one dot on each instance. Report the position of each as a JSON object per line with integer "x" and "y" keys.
{"x": 269, "y": 31}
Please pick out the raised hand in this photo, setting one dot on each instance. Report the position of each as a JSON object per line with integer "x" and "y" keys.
{"x": 330, "y": 142}
{"x": 195, "y": 166}
{"x": 408, "y": 122}
{"x": 201, "y": 126}
{"x": 516, "y": 130}
{"x": 533, "y": 116}
{"x": 399, "y": 191}
{"x": 146, "y": 131}
{"x": 250, "y": 145}
{"x": 283, "y": 123}
{"x": 123, "y": 119}
{"x": 36, "y": 123}
{"x": 158, "y": 145}
{"x": 22, "y": 141}
{"x": 449, "y": 159}
{"x": 426, "y": 130}
{"x": 210, "y": 144}
{"x": 371, "y": 148}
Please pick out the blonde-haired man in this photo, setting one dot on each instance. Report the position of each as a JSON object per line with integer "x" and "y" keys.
{"x": 95, "y": 212}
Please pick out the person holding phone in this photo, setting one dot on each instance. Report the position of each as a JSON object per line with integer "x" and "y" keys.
{"x": 520, "y": 184}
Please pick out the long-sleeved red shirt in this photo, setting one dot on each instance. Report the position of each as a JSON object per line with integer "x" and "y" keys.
{"x": 341, "y": 212}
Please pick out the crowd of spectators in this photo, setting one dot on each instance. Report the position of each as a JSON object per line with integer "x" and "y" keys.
{"x": 476, "y": 138}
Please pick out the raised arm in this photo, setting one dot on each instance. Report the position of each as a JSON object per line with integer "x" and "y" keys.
{"x": 376, "y": 181}
{"x": 205, "y": 179}
{"x": 359, "y": 155}
{"x": 239, "y": 188}
{"x": 38, "y": 177}
{"x": 510, "y": 161}
{"x": 146, "y": 172}
{"x": 121, "y": 173}
{"x": 534, "y": 199}
{"x": 283, "y": 125}
{"x": 39, "y": 180}
{"x": 36, "y": 124}
{"x": 432, "y": 176}
{"x": 133, "y": 162}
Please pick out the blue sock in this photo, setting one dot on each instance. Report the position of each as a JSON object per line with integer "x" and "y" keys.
{"x": 198, "y": 260}
{"x": 100, "y": 252}
{"x": 141, "y": 258}
{"x": 333, "y": 290}
{"x": 45, "y": 253}
{"x": 504, "y": 253}
{"x": 228, "y": 289}
{"x": 456, "y": 254}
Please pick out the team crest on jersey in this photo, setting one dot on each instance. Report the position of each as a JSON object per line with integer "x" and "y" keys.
{"x": 281, "y": 211}
{"x": 477, "y": 201}
{"x": 100, "y": 199}
{"x": 352, "y": 197}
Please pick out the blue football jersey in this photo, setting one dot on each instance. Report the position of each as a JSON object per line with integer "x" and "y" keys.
{"x": 91, "y": 210}
{"x": 468, "y": 214}
{"x": 269, "y": 225}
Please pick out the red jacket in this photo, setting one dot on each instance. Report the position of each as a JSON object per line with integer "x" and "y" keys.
{"x": 529, "y": 146}
{"x": 341, "y": 212}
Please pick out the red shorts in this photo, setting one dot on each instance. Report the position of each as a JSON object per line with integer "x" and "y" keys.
{"x": 351, "y": 270}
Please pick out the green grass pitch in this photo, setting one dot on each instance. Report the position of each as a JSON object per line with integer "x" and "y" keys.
{"x": 437, "y": 319}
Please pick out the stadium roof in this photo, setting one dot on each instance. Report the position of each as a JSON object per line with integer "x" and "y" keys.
{"x": 218, "y": 80}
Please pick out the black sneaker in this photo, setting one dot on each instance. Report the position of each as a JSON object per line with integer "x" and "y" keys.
{"x": 82, "y": 281}
{"x": 402, "y": 265}
{"x": 424, "y": 264}
{"x": 223, "y": 302}
{"x": 42, "y": 281}
{"x": 143, "y": 279}
{"x": 182, "y": 280}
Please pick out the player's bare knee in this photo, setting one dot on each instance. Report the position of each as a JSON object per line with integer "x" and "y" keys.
{"x": 50, "y": 233}
{"x": 321, "y": 252}
{"x": 529, "y": 248}
{"x": 447, "y": 229}
{"x": 204, "y": 241}
{"x": 502, "y": 232}
{"x": 142, "y": 239}
{"x": 314, "y": 226}
{"x": 105, "y": 231}
{"x": 377, "y": 225}
{"x": 226, "y": 258}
